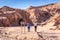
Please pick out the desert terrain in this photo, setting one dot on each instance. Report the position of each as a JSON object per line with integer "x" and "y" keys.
{"x": 13, "y": 23}
{"x": 21, "y": 33}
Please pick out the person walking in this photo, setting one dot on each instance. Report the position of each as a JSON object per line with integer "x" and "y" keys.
{"x": 35, "y": 26}
{"x": 28, "y": 27}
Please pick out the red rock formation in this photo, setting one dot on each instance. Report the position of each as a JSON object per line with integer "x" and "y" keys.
{"x": 43, "y": 13}
{"x": 32, "y": 14}
{"x": 13, "y": 16}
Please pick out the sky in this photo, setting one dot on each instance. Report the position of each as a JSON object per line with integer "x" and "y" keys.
{"x": 23, "y": 4}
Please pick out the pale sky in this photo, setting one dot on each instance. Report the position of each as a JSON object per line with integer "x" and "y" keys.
{"x": 23, "y": 4}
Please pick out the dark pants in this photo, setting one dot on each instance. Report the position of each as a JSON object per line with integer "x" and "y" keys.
{"x": 28, "y": 29}
{"x": 35, "y": 28}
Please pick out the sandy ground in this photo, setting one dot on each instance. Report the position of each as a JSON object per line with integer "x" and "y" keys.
{"x": 21, "y": 33}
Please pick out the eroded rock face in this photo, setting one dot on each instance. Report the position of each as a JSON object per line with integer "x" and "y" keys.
{"x": 13, "y": 16}
{"x": 57, "y": 22}
{"x": 44, "y": 13}
{"x": 40, "y": 14}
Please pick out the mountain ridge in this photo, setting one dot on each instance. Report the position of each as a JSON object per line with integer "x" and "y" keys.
{"x": 39, "y": 14}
